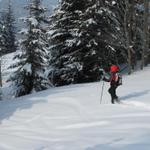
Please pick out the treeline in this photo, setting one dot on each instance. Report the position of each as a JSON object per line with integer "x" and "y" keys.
{"x": 80, "y": 36}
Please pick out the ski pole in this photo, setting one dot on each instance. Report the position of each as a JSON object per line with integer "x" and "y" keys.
{"x": 123, "y": 69}
{"x": 102, "y": 93}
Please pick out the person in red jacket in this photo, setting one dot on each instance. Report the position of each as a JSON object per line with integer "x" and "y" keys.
{"x": 113, "y": 83}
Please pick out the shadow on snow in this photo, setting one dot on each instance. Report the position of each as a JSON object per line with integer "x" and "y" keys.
{"x": 135, "y": 94}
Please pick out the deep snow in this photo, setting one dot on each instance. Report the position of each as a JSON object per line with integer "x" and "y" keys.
{"x": 72, "y": 118}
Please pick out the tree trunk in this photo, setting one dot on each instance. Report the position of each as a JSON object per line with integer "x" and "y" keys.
{"x": 127, "y": 32}
{"x": 144, "y": 61}
{"x": 1, "y": 73}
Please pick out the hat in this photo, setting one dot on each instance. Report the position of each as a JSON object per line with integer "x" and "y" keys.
{"x": 114, "y": 68}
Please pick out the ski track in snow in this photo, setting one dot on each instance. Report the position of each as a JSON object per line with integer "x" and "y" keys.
{"x": 71, "y": 118}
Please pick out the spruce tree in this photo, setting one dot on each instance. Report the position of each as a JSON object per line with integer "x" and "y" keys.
{"x": 82, "y": 36}
{"x": 9, "y": 30}
{"x": 1, "y": 47}
{"x": 101, "y": 37}
{"x": 64, "y": 42}
{"x": 1, "y": 37}
{"x": 138, "y": 39}
{"x": 30, "y": 75}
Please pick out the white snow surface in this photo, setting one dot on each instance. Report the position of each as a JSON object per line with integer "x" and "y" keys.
{"x": 72, "y": 118}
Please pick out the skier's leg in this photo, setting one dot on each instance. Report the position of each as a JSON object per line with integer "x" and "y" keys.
{"x": 115, "y": 96}
{"x": 110, "y": 90}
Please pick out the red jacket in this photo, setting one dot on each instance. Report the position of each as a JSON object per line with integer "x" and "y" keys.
{"x": 113, "y": 79}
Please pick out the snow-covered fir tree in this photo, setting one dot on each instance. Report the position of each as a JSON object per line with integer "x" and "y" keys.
{"x": 1, "y": 47}
{"x": 135, "y": 32}
{"x": 1, "y": 37}
{"x": 83, "y": 34}
{"x": 30, "y": 75}
{"x": 139, "y": 37}
{"x": 118, "y": 8}
{"x": 101, "y": 37}
{"x": 63, "y": 36}
{"x": 9, "y": 30}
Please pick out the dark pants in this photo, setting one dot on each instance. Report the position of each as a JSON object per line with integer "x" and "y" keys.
{"x": 112, "y": 91}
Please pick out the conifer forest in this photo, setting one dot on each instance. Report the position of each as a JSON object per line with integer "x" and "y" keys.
{"x": 69, "y": 45}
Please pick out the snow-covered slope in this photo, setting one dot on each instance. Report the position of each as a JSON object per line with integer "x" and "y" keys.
{"x": 71, "y": 118}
